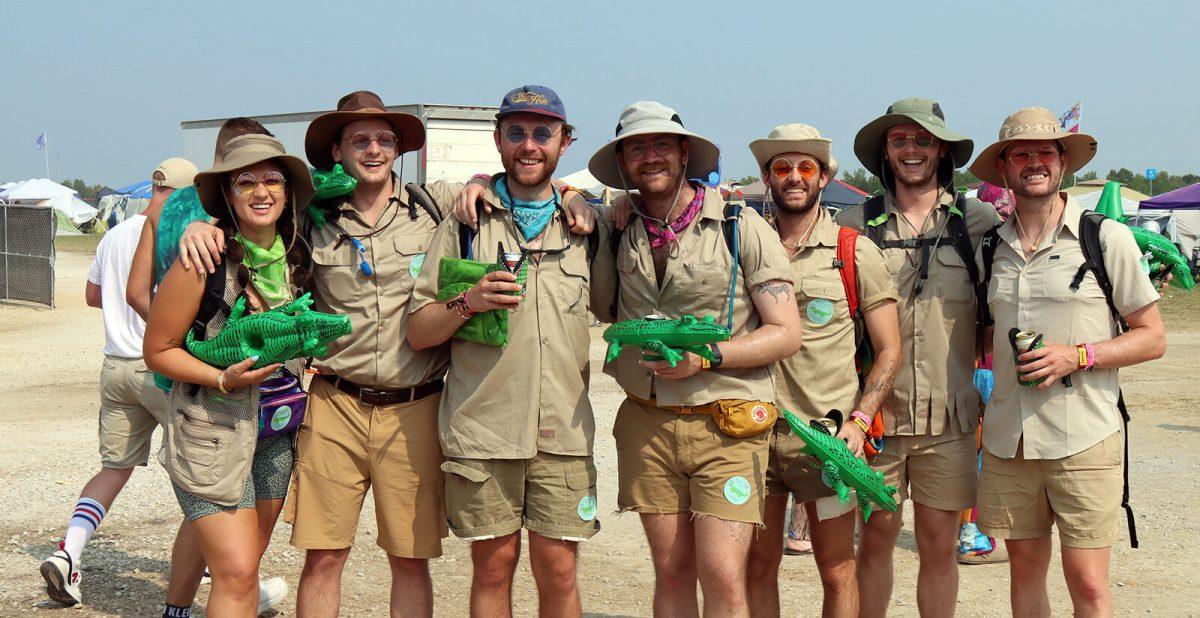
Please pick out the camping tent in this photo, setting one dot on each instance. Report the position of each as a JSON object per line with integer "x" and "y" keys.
{"x": 76, "y": 210}
{"x": 1183, "y": 206}
{"x": 34, "y": 191}
{"x": 116, "y": 208}
{"x": 584, "y": 181}
{"x": 137, "y": 190}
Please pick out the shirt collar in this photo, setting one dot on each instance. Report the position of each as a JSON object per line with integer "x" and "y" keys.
{"x": 946, "y": 201}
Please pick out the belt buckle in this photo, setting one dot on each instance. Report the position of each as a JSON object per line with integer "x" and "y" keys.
{"x": 364, "y": 393}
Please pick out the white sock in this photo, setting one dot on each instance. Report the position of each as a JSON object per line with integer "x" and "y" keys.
{"x": 87, "y": 517}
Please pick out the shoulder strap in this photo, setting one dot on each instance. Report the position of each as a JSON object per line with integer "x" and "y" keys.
{"x": 466, "y": 235}
{"x": 961, "y": 237}
{"x": 1093, "y": 260}
{"x": 419, "y": 196}
{"x": 988, "y": 244}
{"x": 212, "y": 302}
{"x": 872, "y": 211}
{"x": 729, "y": 227}
{"x": 847, "y": 267}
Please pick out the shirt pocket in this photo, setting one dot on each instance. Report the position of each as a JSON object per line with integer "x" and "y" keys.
{"x": 954, "y": 284}
{"x": 411, "y": 255}
{"x": 336, "y": 270}
{"x": 1056, "y": 276}
{"x": 573, "y": 285}
{"x": 822, "y": 301}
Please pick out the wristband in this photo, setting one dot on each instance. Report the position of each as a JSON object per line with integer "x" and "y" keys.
{"x": 221, "y": 383}
{"x": 1091, "y": 356}
{"x": 1081, "y": 356}
{"x": 862, "y": 420}
{"x": 716, "y": 354}
{"x": 705, "y": 363}
{"x": 459, "y": 305}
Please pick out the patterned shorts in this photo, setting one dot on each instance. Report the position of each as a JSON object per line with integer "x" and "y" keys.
{"x": 270, "y": 474}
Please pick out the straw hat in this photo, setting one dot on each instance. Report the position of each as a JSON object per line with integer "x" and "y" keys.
{"x": 359, "y": 105}
{"x": 244, "y": 151}
{"x": 1034, "y": 123}
{"x": 868, "y": 144}
{"x": 799, "y": 138}
{"x": 647, "y": 117}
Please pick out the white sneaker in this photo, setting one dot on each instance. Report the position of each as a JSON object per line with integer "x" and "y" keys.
{"x": 62, "y": 578}
{"x": 271, "y": 593}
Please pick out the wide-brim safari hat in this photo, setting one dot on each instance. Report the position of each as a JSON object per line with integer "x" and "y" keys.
{"x": 244, "y": 151}
{"x": 1034, "y": 123}
{"x": 868, "y": 143}
{"x": 648, "y": 117}
{"x": 797, "y": 137}
{"x": 359, "y": 105}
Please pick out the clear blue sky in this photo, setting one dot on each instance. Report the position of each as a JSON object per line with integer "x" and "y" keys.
{"x": 110, "y": 82}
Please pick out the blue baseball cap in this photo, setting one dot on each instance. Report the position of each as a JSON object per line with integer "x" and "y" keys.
{"x": 532, "y": 99}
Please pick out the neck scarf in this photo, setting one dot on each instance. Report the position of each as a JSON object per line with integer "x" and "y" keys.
{"x": 268, "y": 270}
{"x": 661, "y": 235}
{"x": 531, "y": 217}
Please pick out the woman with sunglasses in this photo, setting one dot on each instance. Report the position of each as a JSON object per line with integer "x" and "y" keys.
{"x": 229, "y": 483}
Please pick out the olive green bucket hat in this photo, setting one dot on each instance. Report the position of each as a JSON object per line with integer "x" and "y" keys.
{"x": 868, "y": 144}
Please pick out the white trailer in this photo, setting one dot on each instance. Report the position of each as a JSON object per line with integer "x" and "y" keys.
{"x": 458, "y": 140}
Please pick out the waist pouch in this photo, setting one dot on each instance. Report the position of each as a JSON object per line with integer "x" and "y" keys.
{"x": 281, "y": 405}
{"x": 456, "y": 276}
{"x": 739, "y": 418}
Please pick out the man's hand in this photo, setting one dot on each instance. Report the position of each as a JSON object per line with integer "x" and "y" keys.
{"x": 688, "y": 366}
{"x": 490, "y": 292}
{"x": 854, "y": 438}
{"x": 464, "y": 206}
{"x": 201, "y": 245}
{"x": 622, "y": 207}
{"x": 1051, "y": 361}
{"x": 581, "y": 217}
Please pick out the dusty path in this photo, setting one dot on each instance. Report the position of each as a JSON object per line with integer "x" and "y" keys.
{"x": 49, "y": 368}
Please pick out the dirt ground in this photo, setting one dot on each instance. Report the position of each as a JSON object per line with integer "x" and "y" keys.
{"x": 49, "y": 368}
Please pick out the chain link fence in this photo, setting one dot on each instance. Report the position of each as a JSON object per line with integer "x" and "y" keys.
{"x": 27, "y": 253}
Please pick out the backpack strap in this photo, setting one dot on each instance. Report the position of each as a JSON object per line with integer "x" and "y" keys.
{"x": 847, "y": 267}
{"x": 1093, "y": 260}
{"x": 1129, "y": 519}
{"x": 419, "y": 196}
{"x": 466, "y": 235}
{"x": 729, "y": 226}
{"x": 991, "y": 239}
{"x": 874, "y": 219}
{"x": 960, "y": 236}
{"x": 212, "y": 301}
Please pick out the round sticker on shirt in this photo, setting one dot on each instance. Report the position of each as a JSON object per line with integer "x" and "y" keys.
{"x": 820, "y": 311}
{"x": 587, "y": 508}
{"x": 280, "y": 418}
{"x": 414, "y": 267}
{"x": 737, "y": 490}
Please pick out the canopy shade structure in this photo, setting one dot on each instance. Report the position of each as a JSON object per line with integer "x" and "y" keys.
{"x": 137, "y": 190}
{"x": 1186, "y": 198}
{"x": 35, "y": 190}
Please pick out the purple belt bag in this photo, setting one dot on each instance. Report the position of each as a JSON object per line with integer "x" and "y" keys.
{"x": 281, "y": 405}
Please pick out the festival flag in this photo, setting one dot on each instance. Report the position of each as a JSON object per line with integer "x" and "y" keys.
{"x": 1070, "y": 119}
{"x": 41, "y": 141}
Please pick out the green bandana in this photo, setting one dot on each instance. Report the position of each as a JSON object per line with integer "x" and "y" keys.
{"x": 268, "y": 270}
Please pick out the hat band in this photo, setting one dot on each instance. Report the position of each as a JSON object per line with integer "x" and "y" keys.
{"x": 1044, "y": 127}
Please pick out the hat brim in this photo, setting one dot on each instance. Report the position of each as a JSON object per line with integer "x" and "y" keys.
{"x": 408, "y": 128}
{"x": 868, "y": 143}
{"x": 703, "y": 156}
{"x": 212, "y": 198}
{"x": 1080, "y": 149}
{"x": 820, "y": 149}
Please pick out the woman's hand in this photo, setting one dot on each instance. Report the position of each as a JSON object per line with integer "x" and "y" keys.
{"x": 239, "y": 375}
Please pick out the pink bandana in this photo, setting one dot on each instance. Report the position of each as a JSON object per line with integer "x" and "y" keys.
{"x": 660, "y": 235}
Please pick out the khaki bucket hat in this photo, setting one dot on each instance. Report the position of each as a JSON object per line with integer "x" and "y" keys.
{"x": 868, "y": 144}
{"x": 244, "y": 151}
{"x": 646, "y": 117}
{"x": 797, "y": 137}
{"x": 359, "y": 105}
{"x": 1034, "y": 123}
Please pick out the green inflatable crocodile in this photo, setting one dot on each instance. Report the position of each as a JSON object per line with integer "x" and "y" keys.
{"x": 841, "y": 470}
{"x": 457, "y": 275}
{"x": 662, "y": 338}
{"x": 1163, "y": 255}
{"x": 281, "y": 334}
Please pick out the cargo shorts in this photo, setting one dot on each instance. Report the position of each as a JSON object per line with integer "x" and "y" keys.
{"x": 683, "y": 463}
{"x": 552, "y": 495}
{"x": 130, "y": 408}
{"x": 937, "y": 471}
{"x": 1021, "y": 498}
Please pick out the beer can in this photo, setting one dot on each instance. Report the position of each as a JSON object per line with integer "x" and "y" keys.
{"x": 1026, "y": 341}
{"x": 510, "y": 262}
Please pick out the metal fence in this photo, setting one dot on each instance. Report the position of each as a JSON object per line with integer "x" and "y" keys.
{"x": 27, "y": 253}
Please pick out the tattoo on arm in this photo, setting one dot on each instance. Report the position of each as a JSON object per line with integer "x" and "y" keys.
{"x": 775, "y": 289}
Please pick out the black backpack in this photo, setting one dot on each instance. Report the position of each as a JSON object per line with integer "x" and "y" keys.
{"x": 1093, "y": 260}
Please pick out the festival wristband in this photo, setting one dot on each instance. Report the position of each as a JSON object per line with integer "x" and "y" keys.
{"x": 460, "y": 306}
{"x": 705, "y": 363}
{"x": 482, "y": 177}
{"x": 860, "y": 418}
{"x": 1091, "y": 356}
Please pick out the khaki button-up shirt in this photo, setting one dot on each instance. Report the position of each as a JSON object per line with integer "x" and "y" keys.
{"x": 530, "y": 396}
{"x": 821, "y": 376}
{"x": 696, "y": 281}
{"x": 376, "y": 352}
{"x": 935, "y": 383}
{"x": 1035, "y": 295}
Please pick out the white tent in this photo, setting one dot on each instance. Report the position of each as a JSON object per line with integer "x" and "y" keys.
{"x": 34, "y": 190}
{"x": 77, "y": 210}
{"x": 584, "y": 181}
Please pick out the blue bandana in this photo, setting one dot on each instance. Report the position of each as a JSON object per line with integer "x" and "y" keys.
{"x": 531, "y": 217}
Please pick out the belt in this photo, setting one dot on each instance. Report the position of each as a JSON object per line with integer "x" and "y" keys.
{"x": 384, "y": 397}
{"x": 707, "y": 408}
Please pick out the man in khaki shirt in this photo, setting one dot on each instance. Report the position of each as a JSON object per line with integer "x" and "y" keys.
{"x": 371, "y": 421}
{"x": 515, "y": 424}
{"x": 1053, "y": 452}
{"x": 929, "y": 450}
{"x": 796, "y": 163}
{"x": 698, "y": 490}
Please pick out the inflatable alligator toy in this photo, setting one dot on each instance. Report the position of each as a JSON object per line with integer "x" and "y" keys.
{"x": 281, "y": 334}
{"x": 841, "y": 470}
{"x": 662, "y": 338}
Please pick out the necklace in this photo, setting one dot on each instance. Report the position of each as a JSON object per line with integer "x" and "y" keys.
{"x": 1031, "y": 247}
{"x": 795, "y": 247}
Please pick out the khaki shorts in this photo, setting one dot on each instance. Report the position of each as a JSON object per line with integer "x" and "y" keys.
{"x": 678, "y": 463}
{"x": 130, "y": 408}
{"x": 940, "y": 470}
{"x": 552, "y": 495}
{"x": 1020, "y": 498}
{"x": 789, "y": 471}
{"x": 344, "y": 448}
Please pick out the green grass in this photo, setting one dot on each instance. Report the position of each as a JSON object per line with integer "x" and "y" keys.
{"x": 77, "y": 244}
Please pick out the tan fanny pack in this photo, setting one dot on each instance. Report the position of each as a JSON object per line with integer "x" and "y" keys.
{"x": 736, "y": 418}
